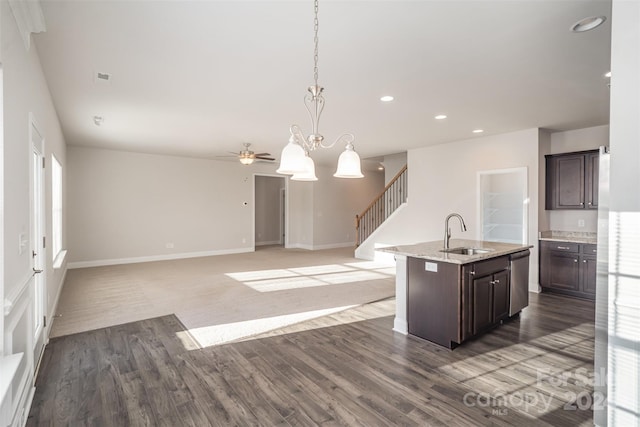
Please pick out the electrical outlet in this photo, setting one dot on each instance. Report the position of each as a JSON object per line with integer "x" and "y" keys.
{"x": 244, "y": 240}
{"x": 168, "y": 245}
{"x": 581, "y": 223}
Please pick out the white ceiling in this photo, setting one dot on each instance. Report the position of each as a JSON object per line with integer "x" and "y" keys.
{"x": 200, "y": 78}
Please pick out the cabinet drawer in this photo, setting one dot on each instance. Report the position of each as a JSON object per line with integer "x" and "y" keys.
{"x": 589, "y": 249}
{"x": 561, "y": 246}
{"x": 490, "y": 266}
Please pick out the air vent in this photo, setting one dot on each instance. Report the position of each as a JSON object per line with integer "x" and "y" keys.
{"x": 102, "y": 78}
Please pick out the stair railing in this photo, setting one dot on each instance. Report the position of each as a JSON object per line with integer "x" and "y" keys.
{"x": 393, "y": 195}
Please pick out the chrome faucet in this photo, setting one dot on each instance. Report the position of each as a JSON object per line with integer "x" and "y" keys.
{"x": 447, "y": 230}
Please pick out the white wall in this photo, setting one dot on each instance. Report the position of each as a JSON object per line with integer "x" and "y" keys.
{"x": 337, "y": 201}
{"x": 565, "y": 142}
{"x": 132, "y": 206}
{"x": 127, "y": 207}
{"x": 442, "y": 179}
{"x": 624, "y": 218}
{"x": 392, "y": 164}
{"x": 24, "y": 92}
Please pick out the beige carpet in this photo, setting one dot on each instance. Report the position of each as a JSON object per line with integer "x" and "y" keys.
{"x": 223, "y": 298}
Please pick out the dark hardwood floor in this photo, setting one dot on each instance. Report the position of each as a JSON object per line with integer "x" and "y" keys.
{"x": 346, "y": 369}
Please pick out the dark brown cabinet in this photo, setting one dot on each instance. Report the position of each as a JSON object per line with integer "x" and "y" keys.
{"x": 572, "y": 180}
{"x": 568, "y": 268}
{"x": 487, "y": 287}
{"x": 450, "y": 303}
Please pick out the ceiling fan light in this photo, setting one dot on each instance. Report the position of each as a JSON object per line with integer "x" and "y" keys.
{"x": 246, "y": 160}
{"x": 292, "y": 159}
{"x": 348, "y": 164}
{"x": 310, "y": 171}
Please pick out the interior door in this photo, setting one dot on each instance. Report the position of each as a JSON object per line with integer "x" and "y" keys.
{"x": 38, "y": 240}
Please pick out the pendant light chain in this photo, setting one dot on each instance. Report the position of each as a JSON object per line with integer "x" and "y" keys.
{"x": 315, "y": 40}
{"x": 295, "y": 159}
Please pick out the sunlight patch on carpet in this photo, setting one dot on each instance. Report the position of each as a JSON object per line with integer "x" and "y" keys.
{"x": 318, "y": 275}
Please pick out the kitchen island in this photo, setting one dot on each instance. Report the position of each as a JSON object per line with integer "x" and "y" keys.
{"x": 450, "y": 297}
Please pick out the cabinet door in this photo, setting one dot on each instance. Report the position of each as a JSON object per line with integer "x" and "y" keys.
{"x": 563, "y": 271}
{"x": 482, "y": 307}
{"x": 591, "y": 180}
{"x": 588, "y": 275}
{"x": 500, "y": 296}
{"x": 569, "y": 182}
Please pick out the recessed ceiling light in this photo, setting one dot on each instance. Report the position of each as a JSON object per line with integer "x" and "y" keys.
{"x": 607, "y": 74}
{"x": 478, "y": 130}
{"x": 386, "y": 98}
{"x": 440, "y": 117}
{"x": 587, "y": 24}
{"x": 380, "y": 168}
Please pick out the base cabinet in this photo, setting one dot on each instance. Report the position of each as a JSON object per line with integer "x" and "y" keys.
{"x": 568, "y": 268}
{"x": 486, "y": 285}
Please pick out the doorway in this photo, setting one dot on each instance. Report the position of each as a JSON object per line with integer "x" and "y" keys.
{"x": 270, "y": 206}
{"x": 38, "y": 245}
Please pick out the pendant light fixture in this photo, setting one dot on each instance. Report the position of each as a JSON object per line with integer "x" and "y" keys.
{"x": 295, "y": 159}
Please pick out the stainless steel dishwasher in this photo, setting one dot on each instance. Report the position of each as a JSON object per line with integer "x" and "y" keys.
{"x": 519, "y": 292}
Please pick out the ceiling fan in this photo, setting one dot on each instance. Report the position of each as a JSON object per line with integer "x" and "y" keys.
{"x": 247, "y": 156}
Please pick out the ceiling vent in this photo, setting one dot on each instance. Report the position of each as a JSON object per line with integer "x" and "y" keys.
{"x": 102, "y": 78}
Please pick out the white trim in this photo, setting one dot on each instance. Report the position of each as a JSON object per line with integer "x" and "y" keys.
{"x": 59, "y": 259}
{"x": 11, "y": 299}
{"x": 400, "y": 321}
{"x": 29, "y": 18}
{"x": 321, "y": 247}
{"x": 134, "y": 260}
{"x": 368, "y": 251}
{"x": 51, "y": 316}
{"x": 286, "y": 208}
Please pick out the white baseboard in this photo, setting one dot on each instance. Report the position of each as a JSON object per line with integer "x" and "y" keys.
{"x": 134, "y": 260}
{"x": 321, "y": 247}
{"x": 52, "y": 314}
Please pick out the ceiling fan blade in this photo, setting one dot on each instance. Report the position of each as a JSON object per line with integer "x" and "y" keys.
{"x": 264, "y": 158}
{"x": 262, "y": 154}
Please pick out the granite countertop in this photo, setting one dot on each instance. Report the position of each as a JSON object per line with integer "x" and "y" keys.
{"x": 431, "y": 250}
{"x": 569, "y": 236}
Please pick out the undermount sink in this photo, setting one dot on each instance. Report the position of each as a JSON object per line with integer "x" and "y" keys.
{"x": 466, "y": 251}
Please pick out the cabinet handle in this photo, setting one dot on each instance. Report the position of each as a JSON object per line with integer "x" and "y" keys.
{"x": 584, "y": 260}
{"x": 563, "y": 247}
{"x": 589, "y": 203}
{"x": 582, "y": 204}
{"x": 495, "y": 282}
{"x": 472, "y": 273}
{"x": 575, "y": 260}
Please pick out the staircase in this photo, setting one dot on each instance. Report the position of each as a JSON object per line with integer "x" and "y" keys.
{"x": 393, "y": 195}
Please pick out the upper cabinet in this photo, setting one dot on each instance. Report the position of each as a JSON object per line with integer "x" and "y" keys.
{"x": 572, "y": 180}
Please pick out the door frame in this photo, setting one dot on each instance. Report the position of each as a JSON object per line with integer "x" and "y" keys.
{"x": 37, "y": 224}
{"x": 285, "y": 213}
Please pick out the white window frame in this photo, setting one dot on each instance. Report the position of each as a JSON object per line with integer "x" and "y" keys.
{"x": 56, "y": 212}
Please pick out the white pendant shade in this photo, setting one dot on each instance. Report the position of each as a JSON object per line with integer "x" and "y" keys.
{"x": 348, "y": 164}
{"x": 292, "y": 159}
{"x": 246, "y": 160}
{"x": 309, "y": 174}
